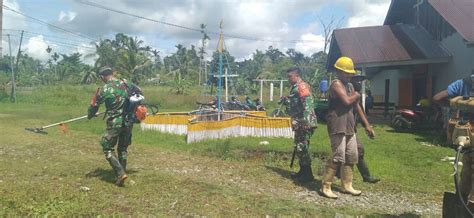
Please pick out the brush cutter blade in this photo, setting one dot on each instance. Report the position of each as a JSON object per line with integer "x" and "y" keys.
{"x": 36, "y": 130}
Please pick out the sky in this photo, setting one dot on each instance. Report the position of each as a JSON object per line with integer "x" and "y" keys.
{"x": 282, "y": 24}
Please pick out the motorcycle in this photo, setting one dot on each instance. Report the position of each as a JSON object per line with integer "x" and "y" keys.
{"x": 407, "y": 119}
{"x": 257, "y": 106}
{"x": 233, "y": 105}
{"x": 283, "y": 110}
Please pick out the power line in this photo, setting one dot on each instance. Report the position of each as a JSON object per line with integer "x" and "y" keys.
{"x": 60, "y": 43}
{"x": 48, "y": 24}
{"x": 92, "y": 4}
{"x": 48, "y": 36}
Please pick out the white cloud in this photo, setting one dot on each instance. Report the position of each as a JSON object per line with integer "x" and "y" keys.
{"x": 66, "y": 16}
{"x": 12, "y": 21}
{"x": 367, "y": 12}
{"x": 36, "y": 48}
{"x": 314, "y": 43}
{"x": 267, "y": 20}
{"x": 88, "y": 55}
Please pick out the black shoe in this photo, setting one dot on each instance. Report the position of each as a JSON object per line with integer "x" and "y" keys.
{"x": 372, "y": 180}
{"x": 306, "y": 175}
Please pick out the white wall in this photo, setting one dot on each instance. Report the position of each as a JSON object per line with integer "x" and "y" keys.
{"x": 459, "y": 67}
{"x": 377, "y": 83}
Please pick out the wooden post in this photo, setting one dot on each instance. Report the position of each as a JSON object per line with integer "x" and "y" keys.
{"x": 271, "y": 91}
{"x": 281, "y": 88}
{"x": 363, "y": 89}
{"x": 226, "y": 87}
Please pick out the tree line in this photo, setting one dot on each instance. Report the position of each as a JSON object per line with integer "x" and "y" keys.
{"x": 138, "y": 62}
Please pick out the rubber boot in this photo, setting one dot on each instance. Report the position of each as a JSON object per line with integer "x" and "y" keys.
{"x": 123, "y": 160}
{"x": 297, "y": 175}
{"x": 328, "y": 177}
{"x": 117, "y": 167}
{"x": 306, "y": 174}
{"x": 365, "y": 173}
{"x": 338, "y": 172}
{"x": 347, "y": 177}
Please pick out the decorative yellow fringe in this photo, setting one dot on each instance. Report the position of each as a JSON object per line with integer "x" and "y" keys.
{"x": 239, "y": 123}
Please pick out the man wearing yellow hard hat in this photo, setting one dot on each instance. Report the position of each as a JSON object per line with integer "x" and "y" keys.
{"x": 343, "y": 102}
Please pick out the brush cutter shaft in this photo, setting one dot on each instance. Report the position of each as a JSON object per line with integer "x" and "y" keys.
{"x": 67, "y": 121}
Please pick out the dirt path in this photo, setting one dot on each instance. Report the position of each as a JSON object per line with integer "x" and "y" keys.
{"x": 273, "y": 181}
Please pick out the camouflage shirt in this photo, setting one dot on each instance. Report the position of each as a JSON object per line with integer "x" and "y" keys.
{"x": 113, "y": 95}
{"x": 301, "y": 107}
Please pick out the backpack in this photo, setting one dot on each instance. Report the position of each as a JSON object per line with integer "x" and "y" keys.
{"x": 134, "y": 108}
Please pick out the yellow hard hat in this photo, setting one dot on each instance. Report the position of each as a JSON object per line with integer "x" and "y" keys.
{"x": 345, "y": 64}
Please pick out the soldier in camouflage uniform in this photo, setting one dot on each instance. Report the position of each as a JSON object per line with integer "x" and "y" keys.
{"x": 114, "y": 95}
{"x": 303, "y": 122}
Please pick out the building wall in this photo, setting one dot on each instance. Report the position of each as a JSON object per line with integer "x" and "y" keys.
{"x": 377, "y": 84}
{"x": 460, "y": 66}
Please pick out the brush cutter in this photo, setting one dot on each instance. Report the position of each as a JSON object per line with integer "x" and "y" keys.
{"x": 454, "y": 204}
{"x": 40, "y": 130}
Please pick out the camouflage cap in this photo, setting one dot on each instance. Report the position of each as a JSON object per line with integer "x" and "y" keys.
{"x": 105, "y": 71}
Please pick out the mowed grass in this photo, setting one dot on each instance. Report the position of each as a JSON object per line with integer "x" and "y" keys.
{"x": 43, "y": 174}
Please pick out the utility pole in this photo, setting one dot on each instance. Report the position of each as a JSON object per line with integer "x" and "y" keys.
{"x": 1, "y": 27}
{"x": 19, "y": 51}
{"x": 13, "y": 97}
{"x": 200, "y": 72}
{"x": 13, "y": 93}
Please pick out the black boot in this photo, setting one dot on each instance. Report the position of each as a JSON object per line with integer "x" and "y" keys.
{"x": 297, "y": 175}
{"x": 338, "y": 172}
{"x": 306, "y": 174}
{"x": 364, "y": 172}
{"x": 117, "y": 167}
{"x": 123, "y": 160}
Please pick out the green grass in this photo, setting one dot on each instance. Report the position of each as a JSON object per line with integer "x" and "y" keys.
{"x": 42, "y": 174}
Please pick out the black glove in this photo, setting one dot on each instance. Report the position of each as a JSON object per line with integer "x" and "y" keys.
{"x": 357, "y": 86}
{"x": 92, "y": 111}
{"x": 357, "y": 82}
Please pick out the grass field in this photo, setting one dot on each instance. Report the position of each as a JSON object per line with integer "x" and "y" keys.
{"x": 47, "y": 174}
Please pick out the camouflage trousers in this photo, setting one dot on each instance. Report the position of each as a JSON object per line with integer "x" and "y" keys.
{"x": 467, "y": 176}
{"x": 302, "y": 139}
{"x": 117, "y": 133}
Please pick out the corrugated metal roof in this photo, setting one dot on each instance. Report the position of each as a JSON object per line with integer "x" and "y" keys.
{"x": 418, "y": 42}
{"x": 370, "y": 44}
{"x": 458, "y": 13}
{"x": 388, "y": 44}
